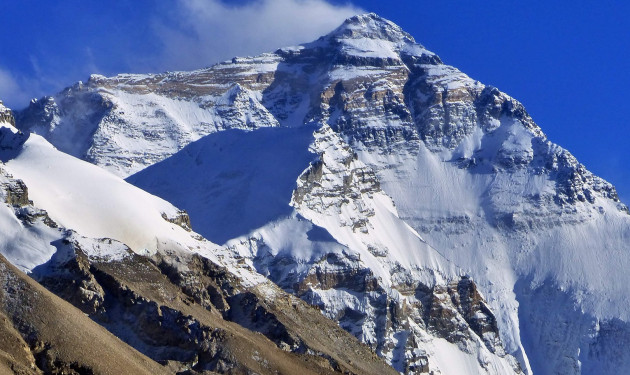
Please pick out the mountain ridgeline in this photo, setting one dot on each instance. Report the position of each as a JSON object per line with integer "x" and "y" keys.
{"x": 347, "y": 205}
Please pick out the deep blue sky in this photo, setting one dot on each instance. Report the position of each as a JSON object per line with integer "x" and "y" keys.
{"x": 566, "y": 61}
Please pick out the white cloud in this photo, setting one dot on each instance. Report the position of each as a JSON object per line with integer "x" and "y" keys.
{"x": 191, "y": 34}
{"x": 203, "y": 32}
{"x": 12, "y": 92}
{"x": 18, "y": 88}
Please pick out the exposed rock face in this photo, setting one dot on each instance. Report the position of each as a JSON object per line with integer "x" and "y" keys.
{"x": 16, "y": 193}
{"x": 6, "y": 115}
{"x": 337, "y": 183}
{"x": 180, "y": 314}
{"x": 402, "y": 145}
{"x": 182, "y": 219}
{"x": 31, "y": 322}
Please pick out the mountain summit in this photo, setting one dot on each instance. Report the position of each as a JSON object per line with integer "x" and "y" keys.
{"x": 369, "y": 26}
{"x": 424, "y": 212}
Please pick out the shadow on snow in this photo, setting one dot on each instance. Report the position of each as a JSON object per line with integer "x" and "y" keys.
{"x": 234, "y": 181}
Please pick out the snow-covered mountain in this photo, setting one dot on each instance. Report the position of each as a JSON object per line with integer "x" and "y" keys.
{"x": 422, "y": 210}
{"x": 116, "y": 224}
{"x": 129, "y": 261}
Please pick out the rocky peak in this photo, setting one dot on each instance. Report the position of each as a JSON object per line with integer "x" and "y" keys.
{"x": 370, "y": 26}
{"x": 369, "y": 40}
{"x": 40, "y": 112}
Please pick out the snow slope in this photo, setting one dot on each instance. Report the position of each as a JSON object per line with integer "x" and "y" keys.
{"x": 83, "y": 197}
{"x": 25, "y": 246}
{"x": 93, "y": 204}
{"x": 124, "y": 127}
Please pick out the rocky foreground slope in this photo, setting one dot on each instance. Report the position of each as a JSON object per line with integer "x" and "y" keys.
{"x": 41, "y": 333}
{"x": 361, "y": 174}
